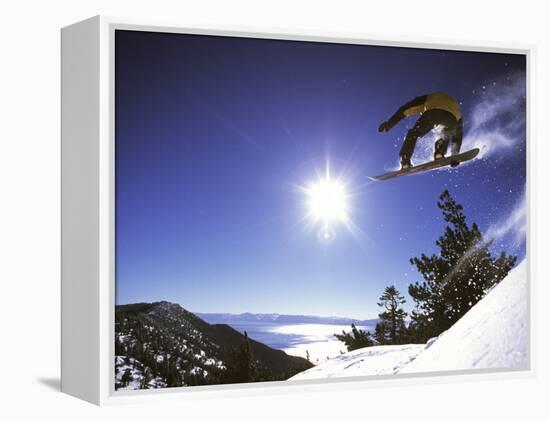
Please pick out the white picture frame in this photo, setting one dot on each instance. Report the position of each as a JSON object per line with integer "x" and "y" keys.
{"x": 88, "y": 284}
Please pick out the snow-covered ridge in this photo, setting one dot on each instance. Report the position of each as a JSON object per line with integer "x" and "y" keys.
{"x": 493, "y": 334}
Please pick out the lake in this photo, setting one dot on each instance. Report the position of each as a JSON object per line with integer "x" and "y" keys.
{"x": 297, "y": 339}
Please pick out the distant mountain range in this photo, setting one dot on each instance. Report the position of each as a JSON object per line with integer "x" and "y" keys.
{"x": 162, "y": 345}
{"x": 241, "y": 318}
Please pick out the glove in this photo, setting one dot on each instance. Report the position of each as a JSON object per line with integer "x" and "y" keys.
{"x": 384, "y": 127}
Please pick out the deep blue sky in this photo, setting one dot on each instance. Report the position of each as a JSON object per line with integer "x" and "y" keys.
{"x": 213, "y": 134}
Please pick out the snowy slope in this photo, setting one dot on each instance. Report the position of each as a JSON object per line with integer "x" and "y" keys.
{"x": 370, "y": 361}
{"x": 493, "y": 334}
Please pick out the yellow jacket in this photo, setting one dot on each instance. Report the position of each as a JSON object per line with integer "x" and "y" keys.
{"x": 434, "y": 101}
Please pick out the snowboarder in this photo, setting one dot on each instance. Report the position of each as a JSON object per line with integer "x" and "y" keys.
{"x": 437, "y": 110}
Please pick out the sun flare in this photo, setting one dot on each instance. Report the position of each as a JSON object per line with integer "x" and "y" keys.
{"x": 327, "y": 200}
{"x": 328, "y": 204}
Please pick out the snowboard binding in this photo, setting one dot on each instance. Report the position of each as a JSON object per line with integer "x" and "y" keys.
{"x": 405, "y": 162}
{"x": 440, "y": 149}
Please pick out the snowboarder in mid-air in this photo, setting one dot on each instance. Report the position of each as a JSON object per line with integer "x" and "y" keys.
{"x": 436, "y": 110}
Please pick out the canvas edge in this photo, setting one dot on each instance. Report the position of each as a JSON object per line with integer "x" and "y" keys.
{"x": 80, "y": 338}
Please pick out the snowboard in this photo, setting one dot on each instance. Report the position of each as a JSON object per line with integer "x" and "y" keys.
{"x": 427, "y": 166}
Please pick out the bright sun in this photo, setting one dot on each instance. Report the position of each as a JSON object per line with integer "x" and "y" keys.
{"x": 327, "y": 200}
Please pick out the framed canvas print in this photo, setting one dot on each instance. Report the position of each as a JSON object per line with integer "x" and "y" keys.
{"x": 245, "y": 211}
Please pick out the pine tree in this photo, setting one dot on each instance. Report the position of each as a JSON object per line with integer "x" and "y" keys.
{"x": 126, "y": 377}
{"x": 356, "y": 339}
{"x": 393, "y": 330}
{"x": 146, "y": 378}
{"x": 457, "y": 277}
{"x": 240, "y": 364}
{"x": 381, "y": 334}
{"x": 172, "y": 374}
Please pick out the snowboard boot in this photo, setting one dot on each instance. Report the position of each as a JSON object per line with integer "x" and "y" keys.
{"x": 440, "y": 149}
{"x": 405, "y": 162}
